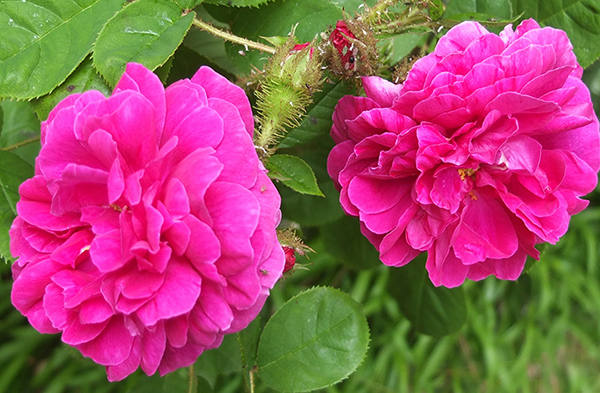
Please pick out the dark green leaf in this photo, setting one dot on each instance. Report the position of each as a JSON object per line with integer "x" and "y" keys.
{"x": 314, "y": 340}
{"x": 177, "y": 381}
{"x": 344, "y": 240}
{"x": 580, "y": 19}
{"x": 490, "y": 8}
{"x": 436, "y": 311}
{"x": 44, "y": 41}
{"x": 294, "y": 173}
{"x": 309, "y": 210}
{"x": 278, "y": 19}
{"x": 222, "y": 360}
{"x": 249, "y": 344}
{"x": 145, "y": 31}
{"x": 83, "y": 79}
{"x": 164, "y": 70}
{"x": 237, "y": 3}
{"x": 188, "y": 4}
{"x": 13, "y": 172}
{"x": 20, "y": 125}
{"x": 209, "y": 47}
{"x": 318, "y": 116}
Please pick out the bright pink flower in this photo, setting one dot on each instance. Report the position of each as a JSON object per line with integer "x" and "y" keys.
{"x": 482, "y": 153}
{"x": 148, "y": 231}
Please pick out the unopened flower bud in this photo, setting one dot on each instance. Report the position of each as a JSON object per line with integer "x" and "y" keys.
{"x": 290, "y": 258}
{"x": 351, "y": 49}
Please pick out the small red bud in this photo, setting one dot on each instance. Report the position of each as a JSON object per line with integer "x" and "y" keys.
{"x": 340, "y": 40}
{"x": 290, "y": 258}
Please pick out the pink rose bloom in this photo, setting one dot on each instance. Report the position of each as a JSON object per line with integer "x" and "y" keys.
{"x": 148, "y": 231}
{"x": 481, "y": 154}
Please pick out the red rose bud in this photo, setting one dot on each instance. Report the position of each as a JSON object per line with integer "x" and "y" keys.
{"x": 290, "y": 258}
{"x": 339, "y": 38}
{"x": 351, "y": 49}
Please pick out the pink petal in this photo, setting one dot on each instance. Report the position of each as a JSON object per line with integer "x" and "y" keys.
{"x": 219, "y": 87}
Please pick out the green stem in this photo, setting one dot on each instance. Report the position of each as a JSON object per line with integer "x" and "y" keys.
{"x": 20, "y": 144}
{"x": 193, "y": 380}
{"x": 232, "y": 37}
{"x": 379, "y": 8}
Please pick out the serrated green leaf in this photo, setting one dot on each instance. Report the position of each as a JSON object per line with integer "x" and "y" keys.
{"x": 580, "y": 19}
{"x": 294, "y": 173}
{"x": 238, "y": 3}
{"x": 490, "y": 8}
{"x": 278, "y": 19}
{"x": 83, "y": 79}
{"x": 13, "y": 172}
{"x": 314, "y": 340}
{"x": 145, "y": 31}
{"x": 43, "y": 41}
{"x": 436, "y": 311}
{"x": 318, "y": 116}
{"x": 20, "y": 125}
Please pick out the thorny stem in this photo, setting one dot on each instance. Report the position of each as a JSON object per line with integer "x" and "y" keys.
{"x": 232, "y": 37}
{"x": 20, "y": 144}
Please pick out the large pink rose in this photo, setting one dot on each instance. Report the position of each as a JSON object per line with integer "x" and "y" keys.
{"x": 148, "y": 231}
{"x": 481, "y": 154}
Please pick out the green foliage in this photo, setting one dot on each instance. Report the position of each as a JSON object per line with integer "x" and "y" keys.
{"x": 436, "y": 9}
{"x": 317, "y": 121}
{"x": 13, "y": 172}
{"x": 278, "y": 19}
{"x": 188, "y": 4}
{"x": 237, "y": 3}
{"x": 316, "y": 339}
{"x": 222, "y": 360}
{"x": 20, "y": 125}
{"x": 493, "y": 8}
{"x": 294, "y": 173}
{"x": 344, "y": 241}
{"x": 43, "y": 42}
{"x": 145, "y": 31}
{"x": 437, "y": 311}
{"x": 83, "y": 79}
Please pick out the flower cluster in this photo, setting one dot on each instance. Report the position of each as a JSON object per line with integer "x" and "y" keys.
{"x": 481, "y": 154}
{"x": 148, "y": 231}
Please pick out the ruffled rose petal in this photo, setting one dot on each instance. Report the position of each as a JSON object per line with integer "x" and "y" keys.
{"x": 148, "y": 232}
{"x": 483, "y": 152}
